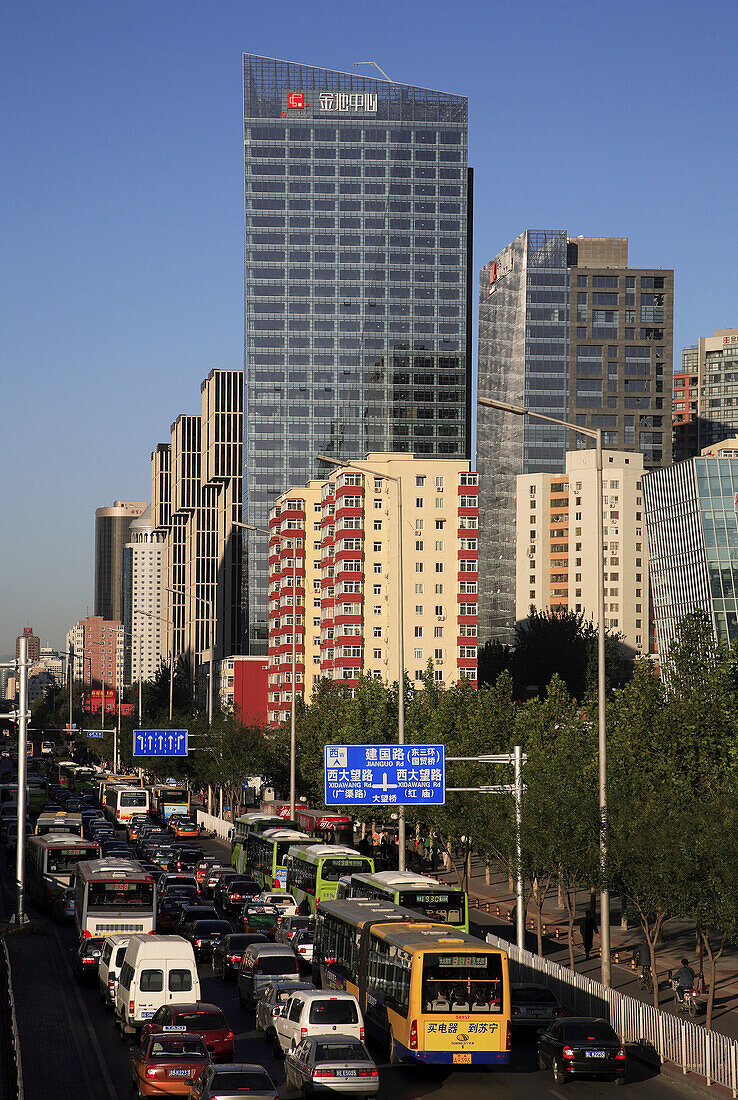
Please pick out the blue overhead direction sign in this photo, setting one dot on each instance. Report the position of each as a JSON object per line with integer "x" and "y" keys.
{"x": 96, "y": 733}
{"x": 389, "y": 775}
{"x": 160, "y": 742}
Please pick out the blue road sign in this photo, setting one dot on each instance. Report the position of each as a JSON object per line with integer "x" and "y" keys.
{"x": 96, "y": 733}
{"x": 160, "y": 742}
{"x": 396, "y": 775}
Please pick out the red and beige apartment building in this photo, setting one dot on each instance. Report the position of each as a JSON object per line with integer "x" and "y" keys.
{"x": 556, "y": 544}
{"x": 335, "y": 581}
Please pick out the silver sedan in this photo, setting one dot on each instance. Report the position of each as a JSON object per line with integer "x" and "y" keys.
{"x": 326, "y": 1065}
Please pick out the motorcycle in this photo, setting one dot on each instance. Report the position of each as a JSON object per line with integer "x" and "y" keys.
{"x": 685, "y": 999}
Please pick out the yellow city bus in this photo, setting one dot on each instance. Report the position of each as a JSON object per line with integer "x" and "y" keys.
{"x": 313, "y": 871}
{"x": 429, "y": 993}
{"x": 167, "y": 800}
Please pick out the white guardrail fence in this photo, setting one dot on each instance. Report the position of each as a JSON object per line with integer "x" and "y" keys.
{"x": 213, "y": 824}
{"x": 687, "y": 1045}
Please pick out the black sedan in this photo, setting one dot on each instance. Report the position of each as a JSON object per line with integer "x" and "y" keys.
{"x": 204, "y": 934}
{"x": 237, "y": 891}
{"x": 228, "y": 953}
{"x": 87, "y": 956}
{"x": 580, "y": 1047}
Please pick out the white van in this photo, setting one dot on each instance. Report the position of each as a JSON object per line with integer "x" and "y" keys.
{"x": 112, "y": 958}
{"x": 157, "y": 970}
{"x": 317, "y": 1012}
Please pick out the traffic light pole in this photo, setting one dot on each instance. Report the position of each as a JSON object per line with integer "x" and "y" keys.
{"x": 20, "y": 851}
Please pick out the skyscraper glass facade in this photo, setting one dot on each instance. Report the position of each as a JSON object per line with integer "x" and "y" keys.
{"x": 693, "y": 545}
{"x": 357, "y": 317}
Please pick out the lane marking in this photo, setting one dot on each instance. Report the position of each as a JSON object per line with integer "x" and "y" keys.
{"x": 559, "y": 1094}
{"x": 112, "y": 1091}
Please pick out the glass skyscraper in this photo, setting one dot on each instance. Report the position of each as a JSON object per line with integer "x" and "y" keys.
{"x": 357, "y": 281}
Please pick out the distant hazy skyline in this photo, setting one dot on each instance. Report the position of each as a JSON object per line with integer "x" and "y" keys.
{"x": 122, "y": 188}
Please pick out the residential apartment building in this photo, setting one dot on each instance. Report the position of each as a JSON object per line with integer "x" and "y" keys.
{"x": 144, "y": 580}
{"x": 556, "y": 544}
{"x": 243, "y": 687}
{"x": 111, "y": 534}
{"x": 357, "y": 281}
{"x": 566, "y": 329}
{"x": 693, "y": 542}
{"x": 33, "y": 645}
{"x": 196, "y": 491}
{"x": 335, "y": 577}
{"x": 95, "y": 650}
{"x": 685, "y": 406}
{"x": 706, "y": 393}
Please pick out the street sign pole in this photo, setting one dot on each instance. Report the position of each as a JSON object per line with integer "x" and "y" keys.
{"x": 20, "y": 853}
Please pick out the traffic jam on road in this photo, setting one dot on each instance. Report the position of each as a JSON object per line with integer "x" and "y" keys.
{"x": 294, "y": 968}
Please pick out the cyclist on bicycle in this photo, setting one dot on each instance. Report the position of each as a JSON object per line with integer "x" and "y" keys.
{"x": 683, "y": 979}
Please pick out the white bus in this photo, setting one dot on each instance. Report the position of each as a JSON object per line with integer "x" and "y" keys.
{"x": 113, "y": 896}
{"x": 59, "y": 822}
{"x": 51, "y": 861}
{"x": 122, "y": 802}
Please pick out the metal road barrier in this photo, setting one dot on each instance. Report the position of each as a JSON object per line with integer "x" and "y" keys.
{"x": 10, "y": 1054}
{"x": 687, "y": 1045}
{"x": 216, "y": 825}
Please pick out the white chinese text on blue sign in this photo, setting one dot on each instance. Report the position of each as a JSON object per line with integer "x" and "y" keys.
{"x": 394, "y": 775}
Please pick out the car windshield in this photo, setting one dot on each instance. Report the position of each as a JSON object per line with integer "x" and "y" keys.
{"x": 178, "y": 1048}
{"x": 533, "y": 996}
{"x": 211, "y": 927}
{"x": 333, "y": 1011}
{"x": 462, "y": 983}
{"x": 583, "y": 1030}
{"x": 242, "y": 885}
{"x": 202, "y": 1021}
{"x": 238, "y": 943}
{"x": 340, "y": 1052}
{"x": 277, "y": 964}
{"x": 241, "y": 1080}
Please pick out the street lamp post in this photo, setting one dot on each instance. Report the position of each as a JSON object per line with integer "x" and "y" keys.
{"x": 293, "y": 694}
{"x": 364, "y": 469}
{"x": 596, "y": 434}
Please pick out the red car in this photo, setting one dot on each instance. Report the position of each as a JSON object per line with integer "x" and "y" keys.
{"x": 199, "y": 1018}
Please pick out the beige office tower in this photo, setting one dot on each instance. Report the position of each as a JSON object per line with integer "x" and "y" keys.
{"x": 556, "y": 544}
{"x": 341, "y": 536}
{"x": 195, "y": 497}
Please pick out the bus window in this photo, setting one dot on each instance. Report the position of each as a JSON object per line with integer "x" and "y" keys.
{"x": 462, "y": 983}
{"x": 333, "y": 869}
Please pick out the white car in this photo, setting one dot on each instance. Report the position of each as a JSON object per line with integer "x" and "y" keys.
{"x": 302, "y": 945}
{"x": 285, "y": 902}
{"x": 322, "y": 1012}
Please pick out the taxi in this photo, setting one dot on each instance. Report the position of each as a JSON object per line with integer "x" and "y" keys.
{"x": 168, "y": 1061}
{"x": 183, "y": 827}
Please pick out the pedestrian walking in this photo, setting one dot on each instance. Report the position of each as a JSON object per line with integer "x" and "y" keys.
{"x": 589, "y": 928}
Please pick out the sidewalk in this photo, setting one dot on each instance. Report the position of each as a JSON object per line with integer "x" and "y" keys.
{"x": 492, "y": 904}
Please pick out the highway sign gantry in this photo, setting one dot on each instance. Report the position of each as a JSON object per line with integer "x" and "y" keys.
{"x": 160, "y": 742}
{"x": 388, "y": 775}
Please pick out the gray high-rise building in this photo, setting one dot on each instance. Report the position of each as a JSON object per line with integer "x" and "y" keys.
{"x": 111, "y": 534}
{"x": 567, "y": 329}
{"x": 357, "y": 281}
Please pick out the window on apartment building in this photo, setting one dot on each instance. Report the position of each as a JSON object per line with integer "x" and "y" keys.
{"x": 419, "y": 502}
{"x": 418, "y": 654}
{"x": 377, "y": 484}
{"x": 439, "y": 567}
{"x": 377, "y": 654}
{"x": 440, "y": 502}
{"x": 377, "y": 632}
{"x": 420, "y": 480}
{"x": 419, "y": 589}
{"x": 377, "y": 588}
{"x": 439, "y": 545}
{"x": 419, "y": 544}
{"x": 440, "y": 524}
{"x": 418, "y": 567}
{"x": 377, "y": 567}
{"x": 439, "y": 483}
{"x": 439, "y": 609}
{"x": 377, "y": 548}
{"x": 377, "y": 609}
{"x": 418, "y": 674}
{"x": 418, "y": 632}
{"x": 378, "y": 504}
{"x": 438, "y": 675}
{"x": 439, "y": 589}
{"x": 438, "y": 632}
{"x": 419, "y": 609}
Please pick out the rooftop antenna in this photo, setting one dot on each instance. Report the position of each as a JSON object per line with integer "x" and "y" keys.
{"x": 376, "y": 66}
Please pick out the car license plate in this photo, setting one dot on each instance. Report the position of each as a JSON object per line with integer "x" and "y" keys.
{"x": 347, "y": 1073}
{"x": 596, "y": 1053}
{"x": 179, "y": 1073}
{"x": 464, "y": 1058}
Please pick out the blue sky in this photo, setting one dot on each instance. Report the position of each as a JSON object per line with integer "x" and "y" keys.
{"x": 122, "y": 194}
